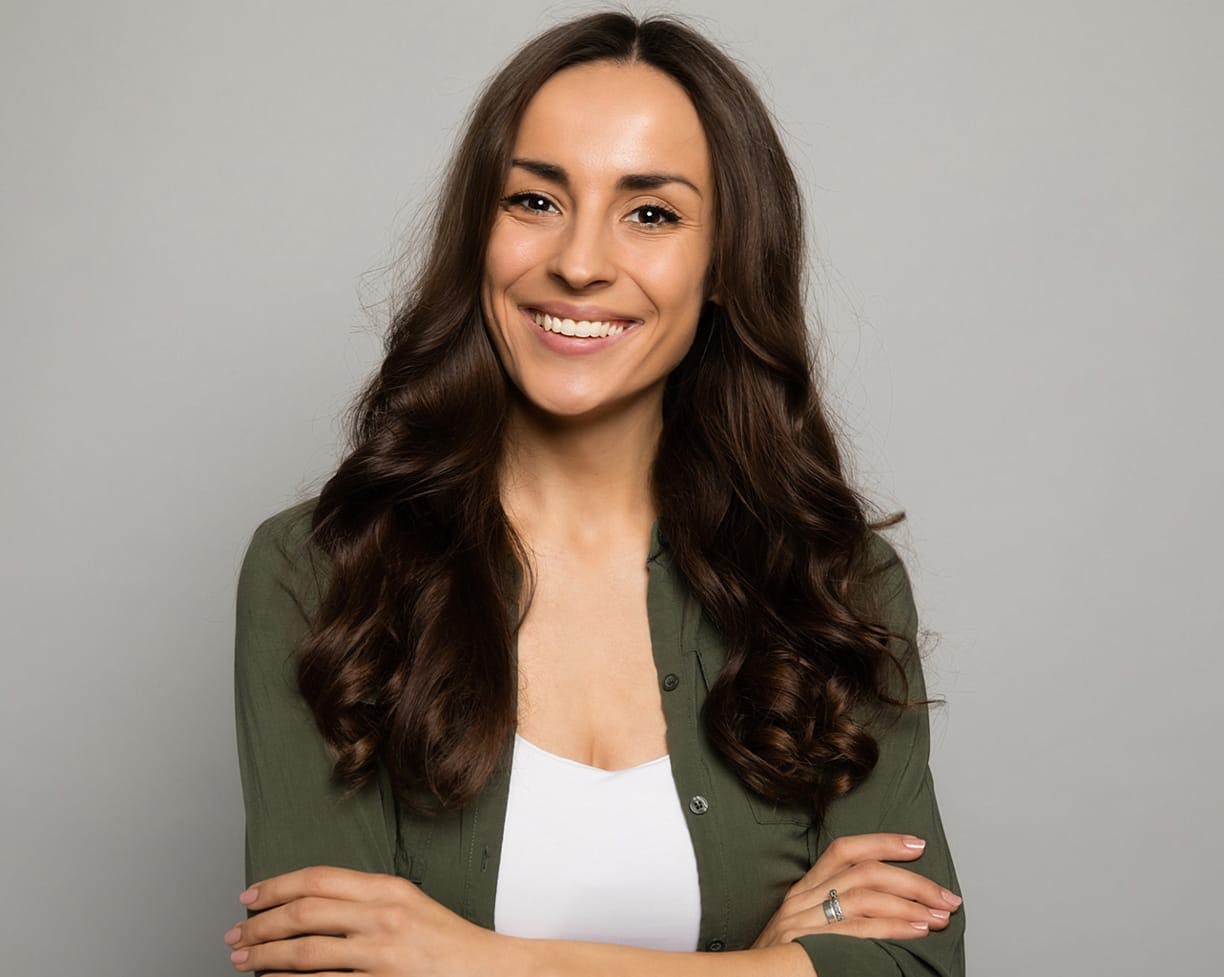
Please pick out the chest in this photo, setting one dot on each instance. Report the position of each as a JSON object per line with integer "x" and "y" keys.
{"x": 588, "y": 682}
{"x": 746, "y": 852}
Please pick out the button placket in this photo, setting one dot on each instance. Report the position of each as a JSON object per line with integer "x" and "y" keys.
{"x": 675, "y": 616}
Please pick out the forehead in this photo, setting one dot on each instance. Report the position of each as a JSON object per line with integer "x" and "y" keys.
{"x": 600, "y": 119}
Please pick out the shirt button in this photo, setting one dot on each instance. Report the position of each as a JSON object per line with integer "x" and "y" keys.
{"x": 715, "y": 945}
{"x": 670, "y": 681}
{"x": 698, "y": 804}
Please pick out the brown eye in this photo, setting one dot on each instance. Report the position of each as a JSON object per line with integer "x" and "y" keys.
{"x": 529, "y": 201}
{"x": 653, "y": 215}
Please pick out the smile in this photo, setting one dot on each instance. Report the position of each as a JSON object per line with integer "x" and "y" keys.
{"x": 571, "y": 337}
{"x": 581, "y": 327}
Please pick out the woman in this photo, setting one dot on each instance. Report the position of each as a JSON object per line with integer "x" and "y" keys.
{"x": 587, "y": 659}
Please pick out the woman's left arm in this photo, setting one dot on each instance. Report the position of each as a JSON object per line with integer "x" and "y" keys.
{"x": 898, "y": 796}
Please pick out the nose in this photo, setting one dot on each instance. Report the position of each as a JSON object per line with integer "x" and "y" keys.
{"x": 582, "y": 257}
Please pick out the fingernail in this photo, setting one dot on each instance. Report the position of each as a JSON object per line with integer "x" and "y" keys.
{"x": 951, "y": 899}
{"x": 920, "y": 926}
{"x": 249, "y": 896}
{"x": 939, "y": 914}
{"x": 915, "y": 843}
{"x": 233, "y": 936}
{"x": 240, "y": 956}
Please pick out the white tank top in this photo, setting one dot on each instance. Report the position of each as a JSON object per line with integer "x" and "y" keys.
{"x": 597, "y": 855}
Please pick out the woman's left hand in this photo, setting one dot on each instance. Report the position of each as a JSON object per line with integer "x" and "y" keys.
{"x": 327, "y": 918}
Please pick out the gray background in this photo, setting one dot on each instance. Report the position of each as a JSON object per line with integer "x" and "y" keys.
{"x": 1016, "y": 215}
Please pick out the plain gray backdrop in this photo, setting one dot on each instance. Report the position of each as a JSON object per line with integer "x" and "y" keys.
{"x": 1015, "y": 212}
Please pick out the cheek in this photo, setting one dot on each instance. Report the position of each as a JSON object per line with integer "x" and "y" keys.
{"x": 510, "y": 253}
{"x": 675, "y": 281}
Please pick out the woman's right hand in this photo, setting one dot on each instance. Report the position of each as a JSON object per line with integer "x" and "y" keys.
{"x": 878, "y": 901}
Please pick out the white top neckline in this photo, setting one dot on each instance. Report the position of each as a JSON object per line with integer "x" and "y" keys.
{"x": 586, "y": 766}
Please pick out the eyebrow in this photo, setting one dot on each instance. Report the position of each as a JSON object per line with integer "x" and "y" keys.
{"x": 630, "y": 181}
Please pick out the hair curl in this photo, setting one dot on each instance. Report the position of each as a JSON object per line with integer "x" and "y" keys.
{"x": 410, "y": 661}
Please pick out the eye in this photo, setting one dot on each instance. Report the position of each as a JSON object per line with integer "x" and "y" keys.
{"x": 529, "y": 200}
{"x": 658, "y": 215}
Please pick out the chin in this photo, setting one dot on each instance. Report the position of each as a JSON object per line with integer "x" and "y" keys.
{"x": 565, "y": 404}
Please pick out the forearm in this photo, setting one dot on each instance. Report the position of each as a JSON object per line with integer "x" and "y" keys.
{"x": 569, "y": 958}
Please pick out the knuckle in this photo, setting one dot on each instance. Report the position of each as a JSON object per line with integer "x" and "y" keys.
{"x": 932, "y": 895}
{"x": 840, "y": 847}
{"x": 314, "y": 880}
{"x": 295, "y": 913}
{"x": 399, "y": 887}
{"x": 851, "y": 898}
{"x": 308, "y": 952}
{"x": 391, "y": 918}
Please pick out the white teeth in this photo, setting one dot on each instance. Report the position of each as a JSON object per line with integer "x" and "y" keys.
{"x": 581, "y": 328}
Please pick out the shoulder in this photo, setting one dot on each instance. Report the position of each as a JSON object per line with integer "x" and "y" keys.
{"x": 892, "y": 600}
{"x": 281, "y": 557}
{"x": 889, "y": 581}
{"x": 288, "y": 528}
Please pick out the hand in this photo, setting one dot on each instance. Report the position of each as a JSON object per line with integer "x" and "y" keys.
{"x": 878, "y": 901}
{"x": 377, "y": 925}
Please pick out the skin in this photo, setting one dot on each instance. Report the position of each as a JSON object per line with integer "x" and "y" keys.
{"x": 583, "y": 429}
{"x": 582, "y": 436}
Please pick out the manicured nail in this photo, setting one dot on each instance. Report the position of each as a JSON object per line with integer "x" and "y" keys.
{"x": 233, "y": 936}
{"x": 240, "y": 956}
{"x": 920, "y": 926}
{"x": 951, "y": 899}
{"x": 249, "y": 896}
{"x": 939, "y": 914}
{"x": 916, "y": 843}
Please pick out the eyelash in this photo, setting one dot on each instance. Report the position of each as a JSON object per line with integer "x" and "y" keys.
{"x": 668, "y": 216}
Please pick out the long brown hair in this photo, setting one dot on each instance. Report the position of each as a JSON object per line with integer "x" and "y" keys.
{"x": 411, "y": 658}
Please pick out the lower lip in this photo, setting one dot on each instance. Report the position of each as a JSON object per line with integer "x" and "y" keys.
{"x": 575, "y": 345}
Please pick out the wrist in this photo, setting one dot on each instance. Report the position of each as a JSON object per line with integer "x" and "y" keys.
{"x": 516, "y": 956}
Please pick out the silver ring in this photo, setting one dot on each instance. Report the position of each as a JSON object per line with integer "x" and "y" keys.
{"x": 832, "y": 908}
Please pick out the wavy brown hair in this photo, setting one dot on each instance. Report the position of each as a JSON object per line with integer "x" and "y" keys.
{"x": 410, "y": 661}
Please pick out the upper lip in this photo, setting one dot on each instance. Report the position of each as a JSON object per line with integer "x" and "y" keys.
{"x": 579, "y": 313}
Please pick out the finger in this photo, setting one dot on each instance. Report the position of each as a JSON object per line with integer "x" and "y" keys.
{"x": 327, "y": 881}
{"x": 862, "y": 901}
{"x": 878, "y": 929}
{"x": 851, "y": 849}
{"x": 309, "y": 954}
{"x": 872, "y": 904}
{"x": 895, "y": 880}
{"x": 310, "y": 915}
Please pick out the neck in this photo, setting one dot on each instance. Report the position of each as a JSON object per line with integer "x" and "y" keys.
{"x": 581, "y": 481}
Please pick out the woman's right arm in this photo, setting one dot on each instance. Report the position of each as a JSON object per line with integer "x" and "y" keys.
{"x": 295, "y": 815}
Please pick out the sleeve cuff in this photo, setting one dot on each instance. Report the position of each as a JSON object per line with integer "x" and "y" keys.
{"x": 834, "y": 955}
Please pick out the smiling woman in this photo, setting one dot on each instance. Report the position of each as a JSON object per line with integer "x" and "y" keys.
{"x": 608, "y": 194}
{"x": 587, "y": 659}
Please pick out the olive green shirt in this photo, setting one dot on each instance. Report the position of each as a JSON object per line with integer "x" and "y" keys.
{"x": 748, "y": 851}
